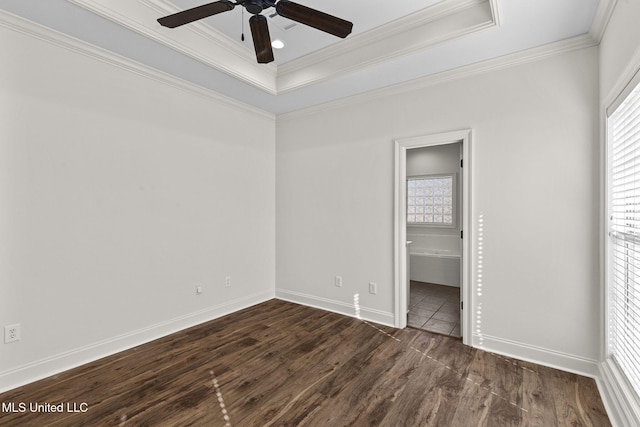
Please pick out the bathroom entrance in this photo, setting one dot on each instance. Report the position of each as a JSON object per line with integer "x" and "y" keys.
{"x": 433, "y": 228}
{"x": 430, "y": 216}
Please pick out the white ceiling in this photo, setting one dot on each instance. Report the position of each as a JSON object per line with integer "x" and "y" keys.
{"x": 393, "y": 42}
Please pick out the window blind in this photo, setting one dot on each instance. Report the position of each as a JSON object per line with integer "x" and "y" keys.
{"x": 623, "y": 128}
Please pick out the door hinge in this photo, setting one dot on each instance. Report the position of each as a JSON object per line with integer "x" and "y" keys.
{"x": 461, "y": 234}
{"x": 460, "y": 162}
{"x": 461, "y": 305}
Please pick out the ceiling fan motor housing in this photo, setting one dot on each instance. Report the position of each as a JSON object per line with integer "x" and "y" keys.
{"x": 254, "y": 7}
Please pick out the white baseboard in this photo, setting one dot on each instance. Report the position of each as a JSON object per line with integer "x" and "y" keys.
{"x": 347, "y": 309}
{"x": 621, "y": 402}
{"x": 542, "y": 356}
{"x": 61, "y": 362}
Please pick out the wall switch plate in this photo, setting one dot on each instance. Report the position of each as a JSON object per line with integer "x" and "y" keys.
{"x": 11, "y": 333}
{"x": 199, "y": 289}
{"x": 338, "y": 281}
{"x": 227, "y": 281}
{"x": 373, "y": 288}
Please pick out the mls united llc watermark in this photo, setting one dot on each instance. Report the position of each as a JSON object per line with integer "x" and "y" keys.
{"x": 67, "y": 407}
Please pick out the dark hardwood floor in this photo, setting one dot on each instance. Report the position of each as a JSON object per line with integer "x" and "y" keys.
{"x": 282, "y": 364}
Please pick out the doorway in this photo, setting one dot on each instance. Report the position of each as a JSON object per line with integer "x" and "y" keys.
{"x": 454, "y": 237}
{"x": 434, "y": 203}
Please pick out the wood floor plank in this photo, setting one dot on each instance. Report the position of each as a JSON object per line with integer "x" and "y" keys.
{"x": 473, "y": 408}
{"x": 538, "y": 399}
{"x": 282, "y": 364}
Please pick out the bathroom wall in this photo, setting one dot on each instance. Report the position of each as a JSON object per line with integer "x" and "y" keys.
{"x": 437, "y": 159}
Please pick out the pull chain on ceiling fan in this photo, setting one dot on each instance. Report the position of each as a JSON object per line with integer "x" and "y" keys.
{"x": 258, "y": 23}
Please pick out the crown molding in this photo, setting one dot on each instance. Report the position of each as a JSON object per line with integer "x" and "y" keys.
{"x": 444, "y": 21}
{"x": 495, "y": 11}
{"x": 466, "y": 71}
{"x": 601, "y": 20}
{"x": 198, "y": 41}
{"x": 81, "y": 47}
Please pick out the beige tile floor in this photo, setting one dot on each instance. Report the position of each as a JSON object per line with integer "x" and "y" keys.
{"x": 434, "y": 308}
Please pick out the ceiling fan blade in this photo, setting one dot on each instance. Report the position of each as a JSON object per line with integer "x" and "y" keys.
{"x": 314, "y": 18}
{"x": 261, "y": 38}
{"x": 200, "y": 12}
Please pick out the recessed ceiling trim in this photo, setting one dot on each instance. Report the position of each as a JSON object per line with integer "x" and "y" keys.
{"x": 601, "y": 20}
{"x": 197, "y": 40}
{"x": 495, "y": 11}
{"x": 439, "y": 23}
{"x": 490, "y": 65}
{"x": 443, "y": 21}
{"x": 410, "y": 22}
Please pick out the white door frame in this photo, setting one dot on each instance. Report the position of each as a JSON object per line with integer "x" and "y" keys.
{"x": 400, "y": 224}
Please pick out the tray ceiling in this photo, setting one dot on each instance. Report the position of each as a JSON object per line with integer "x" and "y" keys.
{"x": 391, "y": 43}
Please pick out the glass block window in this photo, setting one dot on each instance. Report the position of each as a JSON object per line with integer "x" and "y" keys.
{"x": 430, "y": 200}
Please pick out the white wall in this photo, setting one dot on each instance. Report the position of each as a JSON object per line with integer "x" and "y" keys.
{"x": 119, "y": 193}
{"x": 535, "y": 182}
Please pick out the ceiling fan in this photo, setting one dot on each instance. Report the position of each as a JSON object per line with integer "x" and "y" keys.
{"x": 258, "y": 23}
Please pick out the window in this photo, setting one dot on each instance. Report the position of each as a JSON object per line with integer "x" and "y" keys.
{"x": 623, "y": 283}
{"x": 430, "y": 200}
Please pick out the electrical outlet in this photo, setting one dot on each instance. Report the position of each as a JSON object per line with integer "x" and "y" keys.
{"x": 227, "y": 281}
{"x": 373, "y": 288}
{"x": 199, "y": 289}
{"x": 11, "y": 333}
{"x": 338, "y": 281}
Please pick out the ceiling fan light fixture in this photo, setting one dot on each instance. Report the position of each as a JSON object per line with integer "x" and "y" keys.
{"x": 277, "y": 44}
